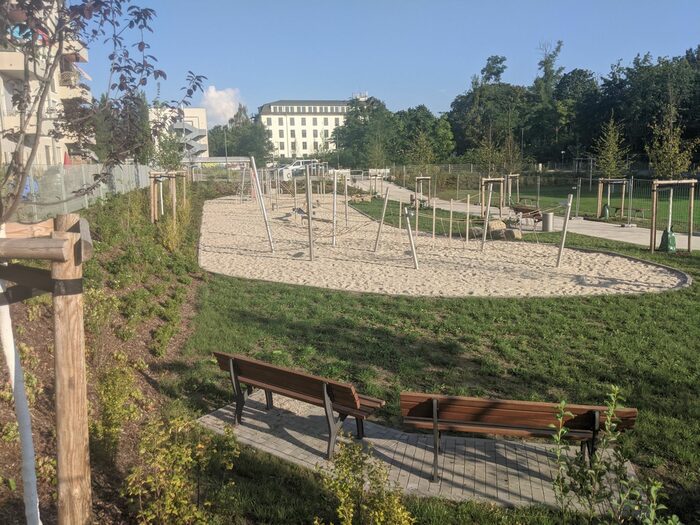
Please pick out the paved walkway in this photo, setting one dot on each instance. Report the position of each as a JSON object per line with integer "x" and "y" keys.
{"x": 604, "y": 230}
{"x": 508, "y": 473}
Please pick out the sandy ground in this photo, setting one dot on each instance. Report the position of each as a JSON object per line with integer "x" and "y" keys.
{"x": 234, "y": 243}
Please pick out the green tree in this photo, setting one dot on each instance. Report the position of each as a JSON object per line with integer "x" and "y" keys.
{"x": 610, "y": 150}
{"x": 669, "y": 155}
{"x": 443, "y": 139}
{"x": 169, "y": 152}
{"x": 494, "y": 68}
{"x": 243, "y": 136}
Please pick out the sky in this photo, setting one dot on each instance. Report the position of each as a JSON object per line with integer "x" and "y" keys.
{"x": 404, "y": 52}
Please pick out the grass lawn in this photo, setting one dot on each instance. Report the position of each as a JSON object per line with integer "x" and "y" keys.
{"x": 532, "y": 349}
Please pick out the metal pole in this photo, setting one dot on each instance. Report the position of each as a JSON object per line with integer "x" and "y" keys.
{"x": 295, "y": 195}
{"x": 410, "y": 240}
{"x": 691, "y": 206}
{"x": 309, "y": 213}
{"x": 486, "y": 217}
{"x": 566, "y": 226}
{"x": 335, "y": 195}
{"x": 538, "y": 191}
{"x": 346, "y": 200}
{"x": 261, "y": 201}
{"x": 629, "y": 201}
{"x": 578, "y": 195}
{"x": 381, "y": 222}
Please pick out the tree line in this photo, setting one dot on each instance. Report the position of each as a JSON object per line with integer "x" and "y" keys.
{"x": 562, "y": 115}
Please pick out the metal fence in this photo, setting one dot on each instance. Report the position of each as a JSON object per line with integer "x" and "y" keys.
{"x": 549, "y": 191}
{"x": 51, "y": 190}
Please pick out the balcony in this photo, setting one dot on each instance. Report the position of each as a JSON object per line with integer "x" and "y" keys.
{"x": 70, "y": 79}
{"x": 12, "y": 64}
{"x": 75, "y": 51}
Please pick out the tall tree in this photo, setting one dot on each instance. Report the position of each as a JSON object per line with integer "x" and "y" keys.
{"x": 610, "y": 150}
{"x": 669, "y": 155}
{"x": 493, "y": 70}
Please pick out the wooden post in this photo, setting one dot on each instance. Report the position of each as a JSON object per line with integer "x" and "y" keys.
{"x": 654, "y": 203}
{"x": 569, "y": 200}
{"x": 152, "y": 195}
{"x": 381, "y": 222}
{"x": 434, "y": 212}
{"x": 691, "y": 206}
{"x": 173, "y": 196}
{"x": 346, "y": 200}
{"x": 411, "y": 241}
{"x": 450, "y": 229}
{"x": 500, "y": 199}
{"x": 162, "y": 202}
{"x": 261, "y": 201}
{"x": 486, "y": 217}
{"x": 400, "y": 213}
{"x": 335, "y": 195}
{"x": 599, "y": 208}
{"x": 481, "y": 196}
{"x": 73, "y": 462}
{"x": 309, "y": 212}
{"x": 622, "y": 200}
{"x": 242, "y": 183}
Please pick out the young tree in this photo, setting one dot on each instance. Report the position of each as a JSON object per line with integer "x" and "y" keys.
{"x": 610, "y": 150}
{"x": 669, "y": 154}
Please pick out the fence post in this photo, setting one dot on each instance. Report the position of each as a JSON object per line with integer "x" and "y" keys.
{"x": 538, "y": 191}
{"x": 629, "y": 201}
{"x": 73, "y": 455}
{"x": 578, "y": 195}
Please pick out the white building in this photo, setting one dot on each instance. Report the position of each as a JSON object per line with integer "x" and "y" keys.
{"x": 192, "y": 128}
{"x": 301, "y": 128}
{"x": 66, "y": 84}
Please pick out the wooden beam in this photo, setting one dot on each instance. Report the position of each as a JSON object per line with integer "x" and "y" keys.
{"x": 73, "y": 461}
{"x": 52, "y": 249}
{"x": 17, "y": 230}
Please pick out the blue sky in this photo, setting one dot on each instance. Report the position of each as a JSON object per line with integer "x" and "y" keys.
{"x": 405, "y": 52}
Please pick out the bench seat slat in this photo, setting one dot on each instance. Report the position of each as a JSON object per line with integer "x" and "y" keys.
{"x": 456, "y": 426}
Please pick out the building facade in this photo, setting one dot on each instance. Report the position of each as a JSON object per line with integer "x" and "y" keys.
{"x": 192, "y": 128}
{"x": 302, "y": 128}
{"x": 66, "y": 84}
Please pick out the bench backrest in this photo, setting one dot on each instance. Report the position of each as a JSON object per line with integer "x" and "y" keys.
{"x": 288, "y": 382}
{"x": 526, "y": 414}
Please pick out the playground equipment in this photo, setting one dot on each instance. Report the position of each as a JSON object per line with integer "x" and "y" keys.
{"x": 489, "y": 182}
{"x": 510, "y": 178}
{"x": 610, "y": 184}
{"x": 569, "y": 200}
{"x": 261, "y": 203}
{"x": 418, "y": 195}
{"x": 656, "y": 186}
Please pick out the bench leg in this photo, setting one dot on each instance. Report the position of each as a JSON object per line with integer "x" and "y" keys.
{"x": 436, "y": 440}
{"x": 240, "y": 395}
{"x": 268, "y": 400}
{"x": 360, "y": 427}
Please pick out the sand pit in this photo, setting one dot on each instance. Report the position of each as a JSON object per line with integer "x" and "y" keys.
{"x": 234, "y": 243}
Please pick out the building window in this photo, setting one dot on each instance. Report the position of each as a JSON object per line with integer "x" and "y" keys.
{"x": 269, "y": 133}
{"x": 325, "y": 133}
{"x": 280, "y": 121}
{"x": 303, "y": 133}
{"x": 294, "y": 146}
{"x": 325, "y": 121}
{"x": 314, "y": 121}
{"x": 303, "y": 121}
{"x": 291, "y": 121}
{"x": 281, "y": 133}
{"x": 281, "y": 145}
{"x": 303, "y": 146}
{"x": 315, "y": 133}
{"x": 269, "y": 121}
{"x": 292, "y": 133}
{"x": 337, "y": 121}
{"x": 315, "y": 146}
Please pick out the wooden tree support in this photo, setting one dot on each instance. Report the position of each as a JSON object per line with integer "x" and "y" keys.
{"x": 67, "y": 246}
{"x": 655, "y": 186}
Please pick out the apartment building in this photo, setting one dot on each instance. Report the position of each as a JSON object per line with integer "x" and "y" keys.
{"x": 192, "y": 128}
{"x": 302, "y": 128}
{"x": 65, "y": 84}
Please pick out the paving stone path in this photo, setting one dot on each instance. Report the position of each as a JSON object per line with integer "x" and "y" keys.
{"x": 508, "y": 473}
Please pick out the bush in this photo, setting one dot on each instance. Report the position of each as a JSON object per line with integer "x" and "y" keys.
{"x": 359, "y": 484}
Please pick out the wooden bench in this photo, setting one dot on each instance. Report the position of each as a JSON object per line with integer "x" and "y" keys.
{"x": 332, "y": 395}
{"x": 524, "y": 419}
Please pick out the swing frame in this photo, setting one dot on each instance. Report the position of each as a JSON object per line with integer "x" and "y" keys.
{"x": 656, "y": 185}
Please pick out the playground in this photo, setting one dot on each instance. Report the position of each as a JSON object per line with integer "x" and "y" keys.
{"x": 234, "y": 242}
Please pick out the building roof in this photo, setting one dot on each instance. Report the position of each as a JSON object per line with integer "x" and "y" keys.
{"x": 307, "y": 103}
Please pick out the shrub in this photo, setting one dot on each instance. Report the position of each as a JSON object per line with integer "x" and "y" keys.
{"x": 359, "y": 484}
{"x": 602, "y": 485}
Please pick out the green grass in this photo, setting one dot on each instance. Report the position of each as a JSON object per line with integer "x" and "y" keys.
{"x": 539, "y": 349}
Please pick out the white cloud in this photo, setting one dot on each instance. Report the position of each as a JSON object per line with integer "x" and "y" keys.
{"x": 221, "y": 104}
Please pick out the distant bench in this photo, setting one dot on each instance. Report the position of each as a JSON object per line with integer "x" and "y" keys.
{"x": 332, "y": 395}
{"x": 635, "y": 211}
{"x": 524, "y": 419}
